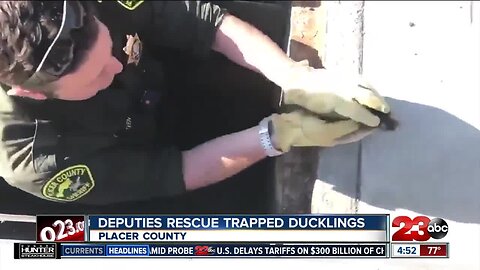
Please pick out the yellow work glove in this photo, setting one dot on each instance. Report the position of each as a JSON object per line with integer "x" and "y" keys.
{"x": 330, "y": 94}
{"x": 299, "y": 129}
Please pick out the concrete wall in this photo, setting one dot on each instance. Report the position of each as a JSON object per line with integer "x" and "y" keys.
{"x": 424, "y": 56}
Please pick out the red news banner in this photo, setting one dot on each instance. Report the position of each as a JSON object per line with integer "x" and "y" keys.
{"x": 439, "y": 250}
{"x": 61, "y": 228}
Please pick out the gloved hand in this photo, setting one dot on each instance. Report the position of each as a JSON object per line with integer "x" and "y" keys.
{"x": 300, "y": 129}
{"x": 332, "y": 94}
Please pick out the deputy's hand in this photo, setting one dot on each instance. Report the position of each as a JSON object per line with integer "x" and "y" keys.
{"x": 330, "y": 93}
{"x": 299, "y": 129}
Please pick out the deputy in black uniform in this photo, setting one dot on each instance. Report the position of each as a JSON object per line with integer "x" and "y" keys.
{"x": 81, "y": 116}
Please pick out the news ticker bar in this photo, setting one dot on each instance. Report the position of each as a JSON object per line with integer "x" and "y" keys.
{"x": 244, "y": 250}
{"x": 413, "y": 250}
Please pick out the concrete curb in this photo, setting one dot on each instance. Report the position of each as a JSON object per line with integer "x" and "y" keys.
{"x": 344, "y": 36}
{"x": 343, "y": 51}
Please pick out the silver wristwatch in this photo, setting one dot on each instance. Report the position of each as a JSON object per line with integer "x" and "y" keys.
{"x": 266, "y": 140}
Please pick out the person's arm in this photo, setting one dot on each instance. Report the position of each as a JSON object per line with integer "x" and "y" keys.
{"x": 318, "y": 90}
{"x": 221, "y": 158}
{"x": 247, "y": 46}
{"x": 200, "y": 27}
{"x": 105, "y": 171}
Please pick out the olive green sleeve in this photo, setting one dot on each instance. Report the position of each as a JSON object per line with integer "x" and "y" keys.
{"x": 36, "y": 160}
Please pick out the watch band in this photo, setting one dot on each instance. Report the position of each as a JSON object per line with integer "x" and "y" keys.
{"x": 266, "y": 140}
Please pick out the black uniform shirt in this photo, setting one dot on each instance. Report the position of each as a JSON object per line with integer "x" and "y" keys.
{"x": 108, "y": 148}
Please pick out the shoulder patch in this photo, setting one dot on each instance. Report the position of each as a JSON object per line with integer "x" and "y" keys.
{"x": 69, "y": 184}
{"x": 130, "y": 4}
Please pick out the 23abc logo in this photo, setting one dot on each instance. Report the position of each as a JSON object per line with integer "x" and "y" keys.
{"x": 436, "y": 228}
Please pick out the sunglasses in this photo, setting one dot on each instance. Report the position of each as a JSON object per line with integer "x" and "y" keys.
{"x": 72, "y": 18}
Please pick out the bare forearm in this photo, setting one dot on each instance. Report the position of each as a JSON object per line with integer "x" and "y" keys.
{"x": 247, "y": 46}
{"x": 221, "y": 158}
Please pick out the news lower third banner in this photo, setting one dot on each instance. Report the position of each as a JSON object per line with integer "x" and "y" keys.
{"x": 309, "y": 235}
{"x": 258, "y": 228}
